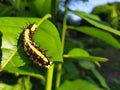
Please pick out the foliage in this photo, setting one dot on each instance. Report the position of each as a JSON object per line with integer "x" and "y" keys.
{"x": 23, "y": 83}
{"x": 74, "y": 64}
{"x": 109, "y": 13}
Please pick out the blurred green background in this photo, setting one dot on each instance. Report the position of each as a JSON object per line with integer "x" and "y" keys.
{"x": 89, "y": 34}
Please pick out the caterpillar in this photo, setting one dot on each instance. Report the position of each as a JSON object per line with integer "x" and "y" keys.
{"x": 33, "y": 51}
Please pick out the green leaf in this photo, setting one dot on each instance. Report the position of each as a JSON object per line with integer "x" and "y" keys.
{"x": 43, "y": 7}
{"x": 77, "y": 53}
{"x": 100, "y": 78}
{"x": 71, "y": 71}
{"x": 68, "y": 45}
{"x": 78, "y": 85}
{"x": 102, "y": 35}
{"x": 23, "y": 84}
{"x": 90, "y": 66}
{"x": 87, "y": 65}
{"x": 96, "y": 22}
{"x": 13, "y": 55}
{"x": 5, "y": 10}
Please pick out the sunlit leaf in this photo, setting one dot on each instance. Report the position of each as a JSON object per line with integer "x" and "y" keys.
{"x": 77, "y": 53}
{"x": 96, "y": 22}
{"x": 102, "y": 35}
{"x": 13, "y": 55}
{"x": 78, "y": 85}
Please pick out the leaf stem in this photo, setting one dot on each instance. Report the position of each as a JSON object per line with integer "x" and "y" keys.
{"x": 58, "y": 78}
{"x": 49, "y": 78}
{"x": 39, "y": 76}
{"x": 50, "y": 71}
{"x": 43, "y": 19}
{"x": 64, "y": 31}
{"x": 59, "y": 68}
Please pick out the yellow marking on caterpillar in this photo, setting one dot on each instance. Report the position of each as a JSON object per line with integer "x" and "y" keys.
{"x": 33, "y": 28}
{"x": 37, "y": 52}
{"x": 27, "y": 40}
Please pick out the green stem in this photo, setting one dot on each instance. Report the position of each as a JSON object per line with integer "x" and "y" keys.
{"x": 53, "y": 10}
{"x": 70, "y": 27}
{"x": 58, "y": 78}
{"x": 51, "y": 69}
{"x": 43, "y": 19}
{"x": 64, "y": 31}
{"x": 17, "y": 4}
{"x": 49, "y": 78}
{"x": 59, "y": 68}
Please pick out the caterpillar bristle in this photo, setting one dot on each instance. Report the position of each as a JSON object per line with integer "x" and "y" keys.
{"x": 34, "y": 51}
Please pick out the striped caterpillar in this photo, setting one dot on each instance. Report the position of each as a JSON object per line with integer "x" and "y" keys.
{"x": 33, "y": 51}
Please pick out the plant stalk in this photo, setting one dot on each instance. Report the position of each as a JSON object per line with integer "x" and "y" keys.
{"x": 49, "y": 78}
{"x": 17, "y": 4}
{"x": 53, "y": 10}
{"x": 59, "y": 68}
{"x": 43, "y": 19}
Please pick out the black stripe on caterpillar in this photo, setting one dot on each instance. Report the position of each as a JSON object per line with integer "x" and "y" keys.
{"x": 33, "y": 51}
